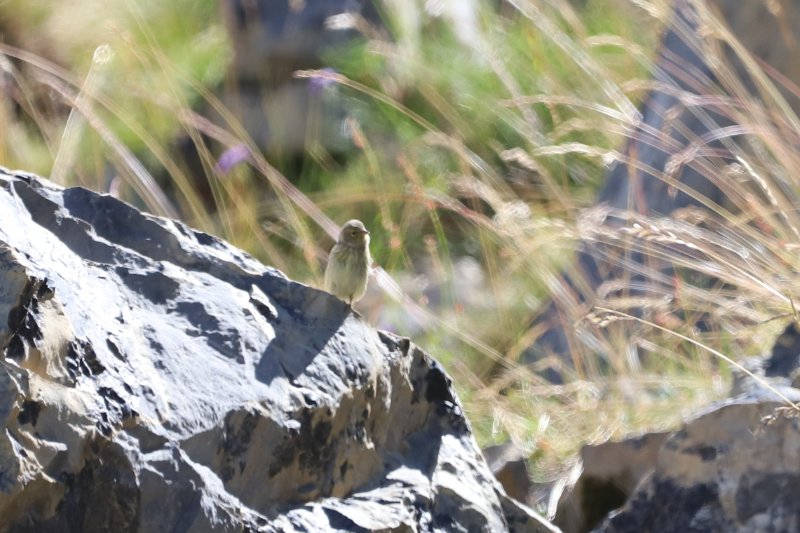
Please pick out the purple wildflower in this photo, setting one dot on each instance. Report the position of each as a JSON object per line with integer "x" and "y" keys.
{"x": 232, "y": 157}
{"x": 322, "y": 81}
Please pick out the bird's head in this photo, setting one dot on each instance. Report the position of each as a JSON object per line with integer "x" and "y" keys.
{"x": 354, "y": 233}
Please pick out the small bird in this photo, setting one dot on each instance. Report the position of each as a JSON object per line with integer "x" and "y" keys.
{"x": 349, "y": 263}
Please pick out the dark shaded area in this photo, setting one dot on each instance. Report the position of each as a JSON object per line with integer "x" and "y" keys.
{"x": 236, "y": 442}
{"x": 102, "y": 497}
{"x": 606, "y": 496}
{"x": 120, "y": 223}
{"x": 22, "y": 321}
{"x": 82, "y": 360}
{"x": 513, "y": 475}
{"x": 762, "y": 494}
{"x": 71, "y": 232}
{"x": 341, "y": 522}
{"x": 706, "y": 453}
{"x": 29, "y": 413}
{"x": 225, "y": 341}
{"x": 297, "y": 343}
{"x": 152, "y": 285}
{"x": 785, "y": 357}
{"x": 678, "y": 511}
{"x": 609, "y": 473}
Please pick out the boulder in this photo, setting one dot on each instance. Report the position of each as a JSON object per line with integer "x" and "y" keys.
{"x": 735, "y": 468}
{"x": 509, "y": 464}
{"x": 603, "y": 479}
{"x": 732, "y": 467}
{"x": 156, "y": 378}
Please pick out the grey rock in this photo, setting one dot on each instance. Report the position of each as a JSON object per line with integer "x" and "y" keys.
{"x": 635, "y": 474}
{"x": 735, "y": 468}
{"x": 272, "y": 38}
{"x": 157, "y": 379}
{"x": 773, "y": 376}
{"x": 509, "y": 465}
{"x": 603, "y": 479}
{"x": 670, "y": 124}
{"x": 638, "y": 472}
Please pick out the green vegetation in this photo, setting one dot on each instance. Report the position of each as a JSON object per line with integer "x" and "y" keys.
{"x": 472, "y": 160}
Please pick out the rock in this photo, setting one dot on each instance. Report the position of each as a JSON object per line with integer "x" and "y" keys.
{"x": 271, "y": 40}
{"x": 785, "y": 358}
{"x": 157, "y": 379}
{"x": 603, "y": 479}
{"x": 608, "y": 476}
{"x": 509, "y": 465}
{"x": 274, "y": 38}
{"x": 698, "y": 478}
{"x": 735, "y": 468}
{"x": 673, "y": 137}
{"x": 762, "y": 376}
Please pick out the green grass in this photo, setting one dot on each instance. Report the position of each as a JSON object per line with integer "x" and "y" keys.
{"x": 477, "y": 156}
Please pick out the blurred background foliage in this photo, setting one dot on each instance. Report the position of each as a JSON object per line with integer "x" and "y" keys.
{"x": 468, "y": 147}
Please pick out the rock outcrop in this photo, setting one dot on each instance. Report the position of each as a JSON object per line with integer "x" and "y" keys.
{"x": 603, "y": 479}
{"x": 735, "y": 467}
{"x": 155, "y": 378}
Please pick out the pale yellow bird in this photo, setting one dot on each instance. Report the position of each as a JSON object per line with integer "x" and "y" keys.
{"x": 349, "y": 263}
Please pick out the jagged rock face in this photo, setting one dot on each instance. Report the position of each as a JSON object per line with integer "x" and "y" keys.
{"x": 734, "y": 469}
{"x": 603, "y": 479}
{"x": 157, "y": 379}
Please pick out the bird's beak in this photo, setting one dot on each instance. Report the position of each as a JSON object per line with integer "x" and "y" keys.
{"x": 365, "y": 232}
